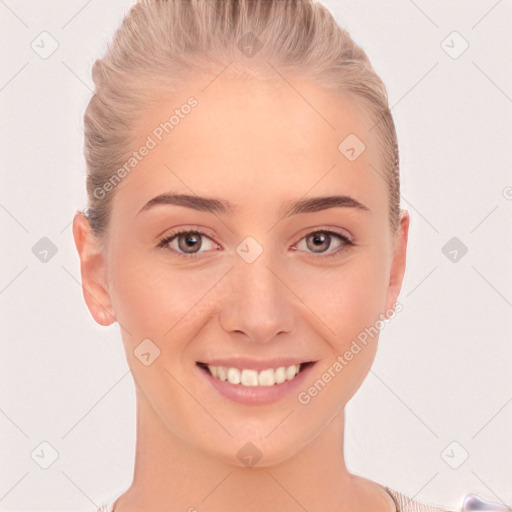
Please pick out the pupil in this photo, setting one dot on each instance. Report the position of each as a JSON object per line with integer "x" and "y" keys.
{"x": 321, "y": 239}
{"x": 190, "y": 241}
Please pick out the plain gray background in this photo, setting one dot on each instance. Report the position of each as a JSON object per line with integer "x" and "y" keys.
{"x": 440, "y": 389}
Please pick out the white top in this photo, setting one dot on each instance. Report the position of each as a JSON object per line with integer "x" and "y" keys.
{"x": 470, "y": 503}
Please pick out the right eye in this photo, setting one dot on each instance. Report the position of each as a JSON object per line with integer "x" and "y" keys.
{"x": 182, "y": 243}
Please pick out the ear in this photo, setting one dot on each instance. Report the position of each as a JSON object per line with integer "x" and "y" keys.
{"x": 397, "y": 270}
{"x": 92, "y": 270}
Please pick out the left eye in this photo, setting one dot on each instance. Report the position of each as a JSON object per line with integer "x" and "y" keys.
{"x": 322, "y": 240}
{"x": 189, "y": 242}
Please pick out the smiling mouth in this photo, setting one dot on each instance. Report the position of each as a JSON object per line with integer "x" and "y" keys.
{"x": 250, "y": 377}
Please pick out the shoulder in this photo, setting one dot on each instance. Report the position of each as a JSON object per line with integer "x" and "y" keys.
{"x": 106, "y": 507}
{"x": 469, "y": 503}
{"x": 375, "y": 496}
{"x": 406, "y": 504}
{"x": 403, "y": 503}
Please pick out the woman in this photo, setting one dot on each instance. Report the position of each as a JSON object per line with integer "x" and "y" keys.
{"x": 244, "y": 229}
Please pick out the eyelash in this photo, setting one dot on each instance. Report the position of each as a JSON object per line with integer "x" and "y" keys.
{"x": 169, "y": 238}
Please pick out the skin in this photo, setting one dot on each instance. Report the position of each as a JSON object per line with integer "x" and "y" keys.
{"x": 257, "y": 146}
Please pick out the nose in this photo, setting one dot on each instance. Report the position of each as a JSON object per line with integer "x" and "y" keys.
{"x": 259, "y": 304}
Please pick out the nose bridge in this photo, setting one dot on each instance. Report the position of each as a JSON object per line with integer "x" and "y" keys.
{"x": 259, "y": 304}
{"x": 257, "y": 283}
{"x": 255, "y": 260}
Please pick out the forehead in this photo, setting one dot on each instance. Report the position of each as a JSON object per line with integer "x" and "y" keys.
{"x": 257, "y": 142}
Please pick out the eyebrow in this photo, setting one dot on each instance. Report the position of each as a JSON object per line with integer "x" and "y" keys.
{"x": 214, "y": 205}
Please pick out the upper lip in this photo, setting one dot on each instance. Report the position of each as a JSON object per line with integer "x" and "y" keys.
{"x": 254, "y": 364}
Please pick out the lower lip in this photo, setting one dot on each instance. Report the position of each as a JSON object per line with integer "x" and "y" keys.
{"x": 255, "y": 395}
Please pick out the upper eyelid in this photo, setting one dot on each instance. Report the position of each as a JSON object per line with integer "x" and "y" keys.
{"x": 329, "y": 230}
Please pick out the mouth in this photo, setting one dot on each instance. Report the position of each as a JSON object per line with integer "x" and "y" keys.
{"x": 249, "y": 377}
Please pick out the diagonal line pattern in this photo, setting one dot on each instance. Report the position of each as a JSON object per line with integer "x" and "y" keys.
{"x": 405, "y": 405}
{"x": 415, "y": 85}
{"x": 424, "y": 14}
{"x": 14, "y": 423}
{"x": 93, "y": 297}
{"x": 416, "y": 494}
{"x": 492, "y": 211}
{"x": 301, "y": 95}
{"x": 422, "y": 280}
{"x": 216, "y": 487}
{"x": 81, "y": 490}
{"x": 499, "y": 499}
{"x": 13, "y": 76}
{"x": 76, "y": 14}
{"x": 410, "y": 90}
{"x": 5, "y": 5}
{"x": 493, "y": 287}
{"x": 276, "y": 17}
{"x": 280, "y": 423}
{"x": 199, "y": 403}
{"x": 485, "y": 15}
{"x": 491, "y": 80}
{"x": 305, "y": 194}
{"x": 501, "y": 409}
{"x": 67, "y": 226}
{"x": 194, "y": 305}
{"x": 81, "y": 419}
{"x": 286, "y": 491}
{"x": 12, "y": 488}
{"x": 13, "y": 217}
{"x": 382, "y": 176}
{"x": 216, "y": 76}
{"x": 208, "y": 2}
{"x": 419, "y": 213}
{"x": 92, "y": 92}
{"x": 13, "y": 279}
{"x": 193, "y": 192}
{"x": 407, "y": 201}
{"x": 300, "y": 299}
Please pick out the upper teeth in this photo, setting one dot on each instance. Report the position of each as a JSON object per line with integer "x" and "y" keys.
{"x": 267, "y": 377}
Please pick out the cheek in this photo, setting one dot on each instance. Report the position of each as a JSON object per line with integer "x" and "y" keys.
{"x": 154, "y": 299}
{"x": 349, "y": 298}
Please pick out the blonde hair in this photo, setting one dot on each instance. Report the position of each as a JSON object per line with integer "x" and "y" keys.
{"x": 162, "y": 43}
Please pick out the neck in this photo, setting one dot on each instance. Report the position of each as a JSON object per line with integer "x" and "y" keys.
{"x": 170, "y": 475}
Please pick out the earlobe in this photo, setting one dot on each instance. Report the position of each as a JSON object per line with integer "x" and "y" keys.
{"x": 92, "y": 271}
{"x": 397, "y": 269}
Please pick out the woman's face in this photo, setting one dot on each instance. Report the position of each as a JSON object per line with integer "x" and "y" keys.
{"x": 261, "y": 288}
